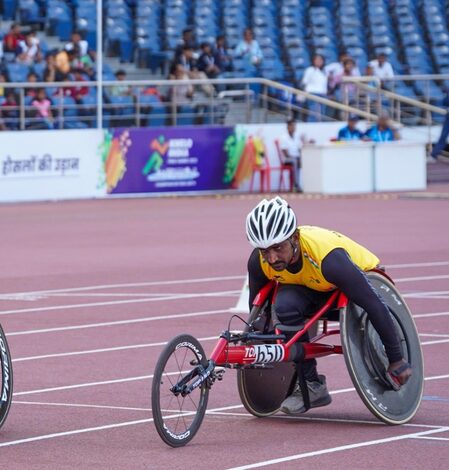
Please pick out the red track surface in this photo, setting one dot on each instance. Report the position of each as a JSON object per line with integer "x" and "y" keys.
{"x": 83, "y": 358}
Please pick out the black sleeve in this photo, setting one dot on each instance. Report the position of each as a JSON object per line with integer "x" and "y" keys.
{"x": 256, "y": 277}
{"x": 338, "y": 268}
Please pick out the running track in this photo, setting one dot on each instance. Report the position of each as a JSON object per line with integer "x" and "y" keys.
{"x": 91, "y": 290}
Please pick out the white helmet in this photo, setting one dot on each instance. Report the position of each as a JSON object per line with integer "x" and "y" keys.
{"x": 270, "y": 222}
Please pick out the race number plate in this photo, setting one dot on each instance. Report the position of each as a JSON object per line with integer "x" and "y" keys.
{"x": 264, "y": 353}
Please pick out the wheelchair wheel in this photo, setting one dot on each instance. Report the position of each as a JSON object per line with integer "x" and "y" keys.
{"x": 367, "y": 362}
{"x": 6, "y": 382}
{"x": 177, "y": 418}
{"x": 262, "y": 390}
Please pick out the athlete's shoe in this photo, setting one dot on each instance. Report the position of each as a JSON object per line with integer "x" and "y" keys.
{"x": 318, "y": 396}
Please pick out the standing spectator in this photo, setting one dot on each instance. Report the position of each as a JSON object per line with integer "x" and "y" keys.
{"x": 42, "y": 107}
{"x": 250, "y": 51}
{"x": 382, "y": 131}
{"x": 350, "y": 132}
{"x": 121, "y": 90}
{"x": 29, "y": 49}
{"x": 183, "y": 92}
{"x": 314, "y": 81}
{"x": 335, "y": 70}
{"x": 347, "y": 89}
{"x": 382, "y": 68}
{"x": 12, "y": 39}
{"x": 223, "y": 59}
{"x": 206, "y": 62}
{"x": 291, "y": 144}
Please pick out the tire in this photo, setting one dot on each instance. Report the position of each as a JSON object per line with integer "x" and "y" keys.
{"x": 177, "y": 419}
{"x": 6, "y": 380}
{"x": 367, "y": 362}
{"x": 263, "y": 390}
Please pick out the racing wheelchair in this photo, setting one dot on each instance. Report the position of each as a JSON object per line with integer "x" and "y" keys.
{"x": 6, "y": 382}
{"x": 266, "y": 373}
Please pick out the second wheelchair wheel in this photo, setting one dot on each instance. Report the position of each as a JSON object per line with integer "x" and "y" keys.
{"x": 367, "y": 362}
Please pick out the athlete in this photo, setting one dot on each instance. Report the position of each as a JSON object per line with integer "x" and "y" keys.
{"x": 309, "y": 263}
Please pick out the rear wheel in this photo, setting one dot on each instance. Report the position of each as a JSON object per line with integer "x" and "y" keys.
{"x": 367, "y": 362}
{"x": 262, "y": 390}
{"x": 6, "y": 382}
{"x": 177, "y": 418}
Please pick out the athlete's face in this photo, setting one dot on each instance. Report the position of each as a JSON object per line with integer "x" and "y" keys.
{"x": 279, "y": 256}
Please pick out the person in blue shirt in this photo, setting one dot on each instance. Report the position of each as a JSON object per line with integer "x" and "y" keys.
{"x": 350, "y": 132}
{"x": 382, "y": 131}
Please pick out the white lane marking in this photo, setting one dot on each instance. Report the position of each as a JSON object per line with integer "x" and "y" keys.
{"x": 92, "y": 429}
{"x": 417, "y": 265}
{"x": 80, "y": 405}
{"x": 430, "y": 438}
{"x": 121, "y": 302}
{"x": 437, "y": 341}
{"x": 435, "y": 335}
{"x": 132, "y": 284}
{"x": 435, "y": 314}
{"x": 422, "y": 278}
{"x": 101, "y": 350}
{"x": 330, "y": 450}
{"x": 117, "y": 322}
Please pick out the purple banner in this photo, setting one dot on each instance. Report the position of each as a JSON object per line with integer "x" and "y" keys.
{"x": 166, "y": 159}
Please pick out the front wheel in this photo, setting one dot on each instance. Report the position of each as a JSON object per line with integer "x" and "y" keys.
{"x": 6, "y": 382}
{"x": 177, "y": 418}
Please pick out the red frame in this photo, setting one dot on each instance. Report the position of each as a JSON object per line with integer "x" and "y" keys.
{"x": 225, "y": 354}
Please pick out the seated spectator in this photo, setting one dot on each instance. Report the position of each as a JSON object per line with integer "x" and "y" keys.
{"x": 62, "y": 63}
{"x": 29, "y": 49}
{"x": 181, "y": 93}
{"x": 206, "y": 62}
{"x": 314, "y": 81}
{"x": 79, "y": 46}
{"x": 75, "y": 91}
{"x": 121, "y": 90}
{"x": 223, "y": 59}
{"x": 51, "y": 72}
{"x": 250, "y": 51}
{"x": 83, "y": 63}
{"x": 12, "y": 39}
{"x": 382, "y": 131}
{"x": 31, "y": 78}
{"x": 42, "y": 108}
{"x": 382, "y": 68}
{"x": 188, "y": 39}
{"x": 350, "y": 132}
{"x": 10, "y": 111}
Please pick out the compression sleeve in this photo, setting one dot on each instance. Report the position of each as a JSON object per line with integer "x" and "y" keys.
{"x": 338, "y": 268}
{"x": 256, "y": 277}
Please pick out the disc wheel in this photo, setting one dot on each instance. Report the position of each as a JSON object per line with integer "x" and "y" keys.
{"x": 263, "y": 390}
{"x": 177, "y": 418}
{"x": 6, "y": 378}
{"x": 367, "y": 362}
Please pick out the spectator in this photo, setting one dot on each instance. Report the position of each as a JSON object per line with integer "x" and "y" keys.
{"x": 51, "y": 72}
{"x": 29, "y": 49}
{"x": 31, "y": 78}
{"x": 183, "y": 92}
{"x": 62, "y": 62}
{"x": 42, "y": 108}
{"x": 79, "y": 46}
{"x": 12, "y": 39}
{"x": 382, "y": 68}
{"x": 206, "y": 62}
{"x": 314, "y": 81}
{"x": 347, "y": 89}
{"x": 10, "y": 111}
{"x": 350, "y": 132}
{"x": 188, "y": 39}
{"x": 121, "y": 90}
{"x": 223, "y": 60}
{"x": 250, "y": 51}
{"x": 75, "y": 91}
{"x": 83, "y": 63}
{"x": 335, "y": 70}
{"x": 382, "y": 131}
{"x": 437, "y": 149}
{"x": 3, "y": 79}
{"x": 291, "y": 144}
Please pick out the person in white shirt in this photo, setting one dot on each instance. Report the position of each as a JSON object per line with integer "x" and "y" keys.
{"x": 315, "y": 81}
{"x": 248, "y": 48}
{"x": 30, "y": 51}
{"x": 290, "y": 145}
{"x": 382, "y": 68}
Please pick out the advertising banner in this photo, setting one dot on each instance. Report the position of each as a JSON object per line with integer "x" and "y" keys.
{"x": 44, "y": 165}
{"x": 165, "y": 159}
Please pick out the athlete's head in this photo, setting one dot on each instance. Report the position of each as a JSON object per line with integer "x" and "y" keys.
{"x": 271, "y": 227}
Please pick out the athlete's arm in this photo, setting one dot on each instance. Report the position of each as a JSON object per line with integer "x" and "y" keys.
{"x": 256, "y": 277}
{"x": 338, "y": 269}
